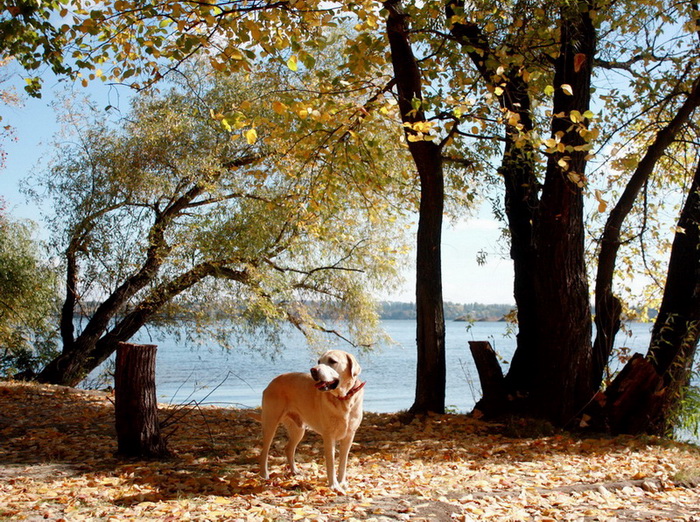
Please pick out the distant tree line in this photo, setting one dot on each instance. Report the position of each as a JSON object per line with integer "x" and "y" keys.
{"x": 453, "y": 311}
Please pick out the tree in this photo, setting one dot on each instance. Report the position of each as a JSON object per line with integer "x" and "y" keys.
{"x": 170, "y": 211}
{"x": 528, "y": 59}
{"x": 550, "y": 276}
{"x": 140, "y": 42}
{"x": 608, "y": 306}
{"x": 28, "y": 299}
{"x": 647, "y": 394}
{"x": 427, "y": 155}
{"x": 8, "y": 98}
{"x": 545, "y": 217}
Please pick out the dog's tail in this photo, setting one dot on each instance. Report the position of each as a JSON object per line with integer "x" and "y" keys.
{"x": 255, "y": 415}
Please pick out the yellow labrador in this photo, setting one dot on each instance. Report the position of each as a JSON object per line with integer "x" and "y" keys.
{"x": 327, "y": 400}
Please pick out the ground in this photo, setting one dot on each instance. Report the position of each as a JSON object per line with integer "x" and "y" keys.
{"x": 57, "y": 462}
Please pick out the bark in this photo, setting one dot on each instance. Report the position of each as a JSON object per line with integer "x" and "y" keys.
{"x": 68, "y": 368}
{"x": 561, "y": 385}
{"x": 657, "y": 398}
{"x": 608, "y": 307}
{"x": 493, "y": 391}
{"x": 521, "y": 191}
{"x": 72, "y": 366}
{"x": 135, "y": 405}
{"x": 427, "y": 155}
{"x": 550, "y": 368}
{"x": 633, "y": 398}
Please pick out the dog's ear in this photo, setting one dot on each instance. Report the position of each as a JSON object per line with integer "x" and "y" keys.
{"x": 353, "y": 366}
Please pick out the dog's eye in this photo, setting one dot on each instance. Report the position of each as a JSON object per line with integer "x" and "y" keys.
{"x": 332, "y": 361}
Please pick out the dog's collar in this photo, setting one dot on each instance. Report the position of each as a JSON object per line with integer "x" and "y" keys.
{"x": 353, "y": 391}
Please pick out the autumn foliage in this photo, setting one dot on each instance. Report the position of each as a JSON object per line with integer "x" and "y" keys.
{"x": 57, "y": 462}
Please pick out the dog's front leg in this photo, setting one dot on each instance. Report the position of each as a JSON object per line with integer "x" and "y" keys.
{"x": 344, "y": 449}
{"x": 329, "y": 449}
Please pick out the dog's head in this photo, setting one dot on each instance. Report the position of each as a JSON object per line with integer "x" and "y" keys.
{"x": 336, "y": 371}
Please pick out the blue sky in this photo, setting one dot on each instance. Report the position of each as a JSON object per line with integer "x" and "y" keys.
{"x": 464, "y": 281}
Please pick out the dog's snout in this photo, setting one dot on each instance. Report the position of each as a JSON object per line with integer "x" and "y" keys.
{"x": 314, "y": 373}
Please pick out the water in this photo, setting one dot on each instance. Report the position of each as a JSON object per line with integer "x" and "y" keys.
{"x": 237, "y": 378}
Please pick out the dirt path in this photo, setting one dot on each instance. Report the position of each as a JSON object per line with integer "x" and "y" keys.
{"x": 57, "y": 463}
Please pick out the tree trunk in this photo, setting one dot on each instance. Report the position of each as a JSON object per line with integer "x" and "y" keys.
{"x": 674, "y": 337}
{"x": 607, "y": 305}
{"x": 561, "y": 384}
{"x": 427, "y": 155}
{"x": 521, "y": 194}
{"x": 136, "y": 408}
{"x": 87, "y": 352}
{"x": 493, "y": 391}
{"x": 550, "y": 371}
{"x": 633, "y": 398}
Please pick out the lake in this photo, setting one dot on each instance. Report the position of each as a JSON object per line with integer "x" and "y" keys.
{"x": 210, "y": 375}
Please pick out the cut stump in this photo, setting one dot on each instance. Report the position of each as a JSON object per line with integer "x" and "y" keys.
{"x": 135, "y": 407}
{"x": 493, "y": 395}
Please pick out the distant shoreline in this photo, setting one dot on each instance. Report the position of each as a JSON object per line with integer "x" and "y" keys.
{"x": 470, "y": 312}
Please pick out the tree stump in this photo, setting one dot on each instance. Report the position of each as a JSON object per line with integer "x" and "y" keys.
{"x": 493, "y": 395}
{"x": 135, "y": 406}
{"x": 635, "y": 398}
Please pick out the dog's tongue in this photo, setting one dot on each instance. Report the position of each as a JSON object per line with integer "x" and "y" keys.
{"x": 321, "y": 384}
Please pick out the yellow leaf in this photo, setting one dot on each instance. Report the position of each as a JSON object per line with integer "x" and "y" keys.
{"x": 279, "y": 107}
{"x": 576, "y": 179}
{"x": 602, "y": 203}
{"x": 567, "y": 89}
{"x": 251, "y": 136}
{"x": 292, "y": 63}
{"x": 550, "y": 143}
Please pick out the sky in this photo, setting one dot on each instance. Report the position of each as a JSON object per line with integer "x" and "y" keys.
{"x": 464, "y": 280}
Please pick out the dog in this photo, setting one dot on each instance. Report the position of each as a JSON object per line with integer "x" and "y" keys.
{"x": 327, "y": 400}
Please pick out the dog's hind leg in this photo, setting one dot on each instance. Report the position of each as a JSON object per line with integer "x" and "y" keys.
{"x": 269, "y": 428}
{"x": 295, "y": 431}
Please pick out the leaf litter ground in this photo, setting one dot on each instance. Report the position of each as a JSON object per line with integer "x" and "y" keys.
{"x": 57, "y": 462}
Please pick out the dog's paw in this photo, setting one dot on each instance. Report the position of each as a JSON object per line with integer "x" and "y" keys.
{"x": 338, "y": 488}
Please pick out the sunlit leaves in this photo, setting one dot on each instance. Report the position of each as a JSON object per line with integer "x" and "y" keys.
{"x": 141, "y": 41}
{"x": 240, "y": 154}
{"x": 251, "y": 136}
